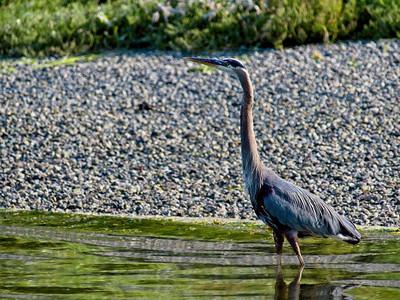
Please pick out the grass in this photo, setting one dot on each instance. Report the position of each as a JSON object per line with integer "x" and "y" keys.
{"x": 67, "y": 61}
{"x": 61, "y": 27}
{"x": 10, "y": 66}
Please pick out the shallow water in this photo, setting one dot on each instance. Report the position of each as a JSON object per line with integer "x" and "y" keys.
{"x": 50, "y": 263}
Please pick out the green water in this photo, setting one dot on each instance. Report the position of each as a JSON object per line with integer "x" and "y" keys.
{"x": 61, "y": 256}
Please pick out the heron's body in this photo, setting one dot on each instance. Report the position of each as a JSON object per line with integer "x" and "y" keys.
{"x": 289, "y": 210}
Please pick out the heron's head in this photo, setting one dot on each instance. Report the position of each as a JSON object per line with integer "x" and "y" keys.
{"x": 229, "y": 65}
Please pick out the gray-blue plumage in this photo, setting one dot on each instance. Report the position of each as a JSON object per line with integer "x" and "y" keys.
{"x": 289, "y": 210}
{"x": 285, "y": 206}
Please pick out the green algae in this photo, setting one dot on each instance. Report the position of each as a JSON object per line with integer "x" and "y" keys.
{"x": 69, "y": 256}
{"x": 156, "y": 227}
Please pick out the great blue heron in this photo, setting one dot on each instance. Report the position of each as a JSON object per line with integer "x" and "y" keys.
{"x": 289, "y": 210}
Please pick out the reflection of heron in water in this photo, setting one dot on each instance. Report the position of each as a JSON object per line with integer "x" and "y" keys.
{"x": 296, "y": 291}
{"x": 283, "y": 291}
{"x": 289, "y": 210}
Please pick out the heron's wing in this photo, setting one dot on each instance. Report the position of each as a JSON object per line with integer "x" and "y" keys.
{"x": 291, "y": 207}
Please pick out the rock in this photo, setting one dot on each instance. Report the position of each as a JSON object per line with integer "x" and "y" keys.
{"x": 136, "y": 133}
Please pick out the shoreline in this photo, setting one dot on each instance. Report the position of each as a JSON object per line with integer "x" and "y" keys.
{"x": 191, "y": 220}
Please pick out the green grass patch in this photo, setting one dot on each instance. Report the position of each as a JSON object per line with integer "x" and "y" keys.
{"x": 201, "y": 69}
{"x": 60, "y": 27}
{"x": 10, "y": 66}
{"x": 7, "y": 68}
{"x": 67, "y": 61}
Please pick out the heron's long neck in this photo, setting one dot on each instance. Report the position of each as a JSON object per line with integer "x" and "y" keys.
{"x": 250, "y": 158}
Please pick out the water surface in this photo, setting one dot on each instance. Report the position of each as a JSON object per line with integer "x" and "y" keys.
{"x": 53, "y": 262}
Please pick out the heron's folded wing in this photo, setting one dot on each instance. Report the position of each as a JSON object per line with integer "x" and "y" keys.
{"x": 300, "y": 210}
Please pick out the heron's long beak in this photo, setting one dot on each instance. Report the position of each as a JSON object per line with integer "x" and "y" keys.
{"x": 207, "y": 61}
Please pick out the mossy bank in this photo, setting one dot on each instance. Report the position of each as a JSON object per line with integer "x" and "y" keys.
{"x": 44, "y": 27}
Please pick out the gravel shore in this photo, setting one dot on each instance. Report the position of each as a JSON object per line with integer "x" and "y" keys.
{"x": 147, "y": 133}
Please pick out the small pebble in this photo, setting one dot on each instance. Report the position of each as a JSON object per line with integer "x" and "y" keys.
{"x": 148, "y": 133}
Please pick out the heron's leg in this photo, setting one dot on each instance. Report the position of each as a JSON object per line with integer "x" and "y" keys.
{"x": 291, "y": 236}
{"x": 278, "y": 238}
